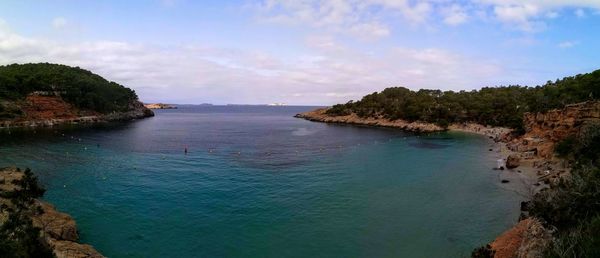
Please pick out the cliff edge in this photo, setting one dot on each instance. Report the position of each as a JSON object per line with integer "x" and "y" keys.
{"x": 57, "y": 230}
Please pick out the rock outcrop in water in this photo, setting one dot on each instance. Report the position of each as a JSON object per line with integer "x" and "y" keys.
{"x": 57, "y": 230}
{"x": 160, "y": 106}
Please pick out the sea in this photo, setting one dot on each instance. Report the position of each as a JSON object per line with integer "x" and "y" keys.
{"x": 253, "y": 181}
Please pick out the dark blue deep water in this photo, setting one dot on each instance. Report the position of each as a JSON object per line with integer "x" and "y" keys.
{"x": 257, "y": 182}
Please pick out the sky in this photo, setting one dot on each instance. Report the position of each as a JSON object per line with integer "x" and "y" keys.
{"x": 304, "y": 52}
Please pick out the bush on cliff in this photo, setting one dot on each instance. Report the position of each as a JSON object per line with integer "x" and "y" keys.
{"x": 581, "y": 241}
{"x": 572, "y": 207}
{"x": 77, "y": 86}
{"x": 18, "y": 236}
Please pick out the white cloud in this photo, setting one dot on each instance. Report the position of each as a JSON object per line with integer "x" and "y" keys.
{"x": 345, "y": 16}
{"x": 454, "y": 15}
{"x": 529, "y": 15}
{"x": 196, "y": 74}
{"x": 59, "y": 22}
{"x": 352, "y": 17}
{"x": 552, "y": 15}
{"x": 368, "y": 31}
{"x": 568, "y": 44}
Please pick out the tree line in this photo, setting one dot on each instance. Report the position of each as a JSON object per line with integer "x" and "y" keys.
{"x": 76, "y": 86}
{"x": 495, "y": 106}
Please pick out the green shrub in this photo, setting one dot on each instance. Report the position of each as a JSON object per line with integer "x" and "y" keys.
{"x": 566, "y": 147}
{"x": 571, "y": 201}
{"x": 581, "y": 241}
{"x": 18, "y": 236}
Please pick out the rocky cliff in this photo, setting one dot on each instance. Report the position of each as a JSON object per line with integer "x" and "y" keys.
{"x": 57, "y": 230}
{"x": 37, "y": 110}
{"x": 544, "y": 130}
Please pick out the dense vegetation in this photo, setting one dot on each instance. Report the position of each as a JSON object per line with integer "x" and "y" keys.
{"x": 77, "y": 86}
{"x": 497, "y": 106}
{"x": 573, "y": 206}
{"x": 18, "y": 236}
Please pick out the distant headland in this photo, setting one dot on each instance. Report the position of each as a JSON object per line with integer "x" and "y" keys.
{"x": 46, "y": 94}
{"x": 160, "y": 106}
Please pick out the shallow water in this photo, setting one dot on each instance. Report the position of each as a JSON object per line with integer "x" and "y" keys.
{"x": 257, "y": 182}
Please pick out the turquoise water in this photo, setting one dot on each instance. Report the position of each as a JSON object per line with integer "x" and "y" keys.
{"x": 257, "y": 182}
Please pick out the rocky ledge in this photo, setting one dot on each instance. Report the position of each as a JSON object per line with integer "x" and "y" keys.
{"x": 57, "y": 230}
{"x": 47, "y": 111}
{"x": 319, "y": 115}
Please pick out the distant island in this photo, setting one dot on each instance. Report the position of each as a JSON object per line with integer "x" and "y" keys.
{"x": 277, "y": 104}
{"x": 46, "y": 94}
{"x": 553, "y": 129}
{"x": 160, "y": 106}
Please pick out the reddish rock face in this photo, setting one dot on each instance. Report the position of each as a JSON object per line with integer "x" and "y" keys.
{"x": 47, "y": 107}
{"x": 50, "y": 110}
{"x": 528, "y": 238}
{"x": 544, "y": 130}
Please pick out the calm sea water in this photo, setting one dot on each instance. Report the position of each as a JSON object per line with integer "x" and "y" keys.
{"x": 257, "y": 182}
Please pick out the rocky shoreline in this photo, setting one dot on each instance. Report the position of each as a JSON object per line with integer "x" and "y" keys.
{"x": 58, "y": 230}
{"x": 532, "y": 153}
{"x": 319, "y": 115}
{"x": 138, "y": 111}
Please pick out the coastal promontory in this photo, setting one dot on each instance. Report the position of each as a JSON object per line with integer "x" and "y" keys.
{"x": 46, "y": 94}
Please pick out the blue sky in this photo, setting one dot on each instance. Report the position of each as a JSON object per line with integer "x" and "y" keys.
{"x": 305, "y": 51}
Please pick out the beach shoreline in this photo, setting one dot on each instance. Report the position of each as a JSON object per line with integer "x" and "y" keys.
{"x": 528, "y": 174}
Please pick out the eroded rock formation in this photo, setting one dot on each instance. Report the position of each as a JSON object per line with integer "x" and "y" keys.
{"x": 544, "y": 130}
{"x": 527, "y": 239}
{"x": 58, "y": 230}
{"x": 46, "y": 111}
